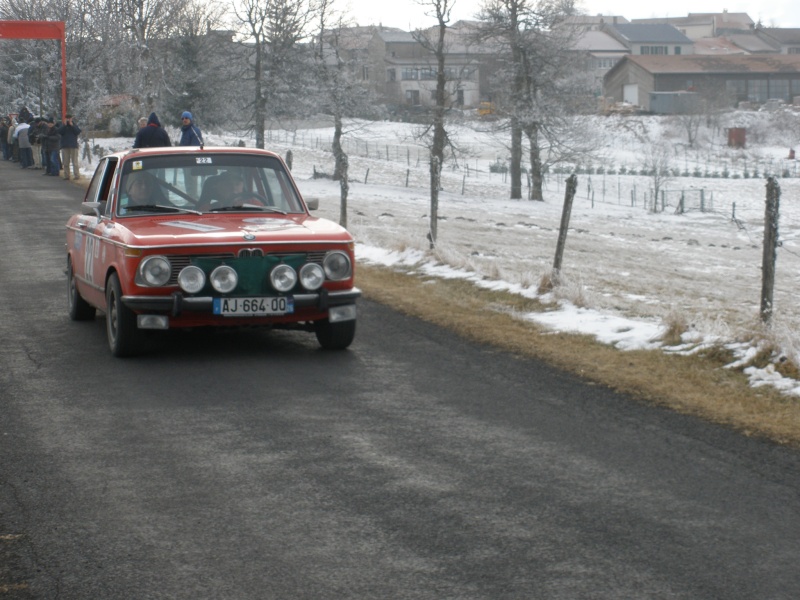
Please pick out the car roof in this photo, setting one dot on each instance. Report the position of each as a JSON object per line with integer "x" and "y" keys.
{"x": 178, "y": 150}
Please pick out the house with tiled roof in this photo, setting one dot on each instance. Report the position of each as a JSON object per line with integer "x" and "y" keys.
{"x": 405, "y": 71}
{"x": 785, "y": 40}
{"x": 724, "y": 80}
{"x": 717, "y": 46}
{"x": 697, "y": 26}
{"x": 651, "y": 39}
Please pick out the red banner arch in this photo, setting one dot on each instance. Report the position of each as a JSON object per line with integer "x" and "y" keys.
{"x": 41, "y": 30}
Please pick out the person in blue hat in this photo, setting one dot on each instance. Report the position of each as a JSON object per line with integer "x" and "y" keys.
{"x": 190, "y": 133}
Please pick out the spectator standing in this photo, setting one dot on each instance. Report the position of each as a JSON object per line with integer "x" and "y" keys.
{"x": 25, "y": 150}
{"x": 69, "y": 133}
{"x": 152, "y": 135}
{"x": 12, "y": 142}
{"x": 52, "y": 145}
{"x": 34, "y": 135}
{"x": 190, "y": 134}
{"x": 4, "y": 138}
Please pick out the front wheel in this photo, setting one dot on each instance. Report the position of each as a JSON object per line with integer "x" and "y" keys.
{"x": 124, "y": 337}
{"x": 79, "y": 309}
{"x": 335, "y": 336}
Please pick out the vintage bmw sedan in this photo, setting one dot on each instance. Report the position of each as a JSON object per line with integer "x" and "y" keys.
{"x": 189, "y": 237}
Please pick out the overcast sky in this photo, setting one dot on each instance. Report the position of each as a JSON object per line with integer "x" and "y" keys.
{"x": 409, "y": 14}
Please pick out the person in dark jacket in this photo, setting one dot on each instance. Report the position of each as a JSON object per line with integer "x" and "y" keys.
{"x": 152, "y": 135}
{"x": 190, "y": 134}
{"x": 52, "y": 145}
{"x": 4, "y": 139}
{"x": 69, "y": 133}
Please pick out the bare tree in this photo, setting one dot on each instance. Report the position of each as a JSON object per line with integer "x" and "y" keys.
{"x": 657, "y": 162}
{"x": 274, "y": 27}
{"x": 534, "y": 56}
{"x": 342, "y": 95}
{"x": 434, "y": 42}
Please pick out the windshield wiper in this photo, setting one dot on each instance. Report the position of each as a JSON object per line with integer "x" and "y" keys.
{"x": 154, "y": 208}
{"x": 248, "y": 208}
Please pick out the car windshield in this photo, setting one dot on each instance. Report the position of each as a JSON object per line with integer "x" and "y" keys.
{"x": 207, "y": 183}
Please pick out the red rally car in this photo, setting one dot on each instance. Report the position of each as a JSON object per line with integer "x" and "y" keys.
{"x": 206, "y": 237}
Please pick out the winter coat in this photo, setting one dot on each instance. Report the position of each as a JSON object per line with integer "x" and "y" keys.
{"x": 22, "y": 136}
{"x": 152, "y": 135}
{"x": 4, "y": 131}
{"x": 52, "y": 141}
{"x": 10, "y": 137}
{"x": 38, "y": 132}
{"x": 69, "y": 135}
{"x": 191, "y": 136}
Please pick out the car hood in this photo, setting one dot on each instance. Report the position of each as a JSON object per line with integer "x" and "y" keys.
{"x": 187, "y": 229}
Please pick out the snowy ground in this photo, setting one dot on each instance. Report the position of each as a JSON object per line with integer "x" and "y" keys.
{"x": 629, "y": 271}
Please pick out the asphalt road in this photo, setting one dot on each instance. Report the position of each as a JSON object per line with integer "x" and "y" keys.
{"x": 415, "y": 465}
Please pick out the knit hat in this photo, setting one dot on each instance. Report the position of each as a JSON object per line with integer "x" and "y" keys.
{"x": 186, "y": 115}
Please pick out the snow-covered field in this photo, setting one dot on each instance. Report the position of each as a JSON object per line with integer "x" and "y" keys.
{"x": 629, "y": 271}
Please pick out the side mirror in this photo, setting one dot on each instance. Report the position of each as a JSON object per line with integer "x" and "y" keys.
{"x": 312, "y": 203}
{"x": 93, "y": 208}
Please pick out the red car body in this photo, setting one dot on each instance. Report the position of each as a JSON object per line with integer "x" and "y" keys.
{"x": 198, "y": 252}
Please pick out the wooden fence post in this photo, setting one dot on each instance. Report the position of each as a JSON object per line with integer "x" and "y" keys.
{"x": 569, "y": 195}
{"x": 770, "y": 248}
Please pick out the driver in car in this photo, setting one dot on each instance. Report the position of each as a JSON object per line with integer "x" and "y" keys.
{"x": 140, "y": 188}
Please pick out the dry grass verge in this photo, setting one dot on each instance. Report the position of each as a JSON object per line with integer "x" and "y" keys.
{"x": 696, "y": 385}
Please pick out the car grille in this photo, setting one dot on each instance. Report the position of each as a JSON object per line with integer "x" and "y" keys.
{"x": 179, "y": 262}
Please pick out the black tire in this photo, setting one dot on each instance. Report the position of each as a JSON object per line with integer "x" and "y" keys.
{"x": 124, "y": 337}
{"x": 79, "y": 309}
{"x": 335, "y": 336}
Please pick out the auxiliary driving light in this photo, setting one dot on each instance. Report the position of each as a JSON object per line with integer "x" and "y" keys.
{"x": 191, "y": 279}
{"x": 312, "y": 276}
{"x": 283, "y": 278}
{"x": 224, "y": 279}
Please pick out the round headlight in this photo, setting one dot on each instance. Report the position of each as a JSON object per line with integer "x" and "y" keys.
{"x": 312, "y": 276}
{"x": 224, "y": 279}
{"x": 283, "y": 278}
{"x": 191, "y": 279}
{"x": 154, "y": 271}
{"x": 337, "y": 266}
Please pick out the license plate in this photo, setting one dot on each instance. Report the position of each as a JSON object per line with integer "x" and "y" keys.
{"x": 253, "y": 307}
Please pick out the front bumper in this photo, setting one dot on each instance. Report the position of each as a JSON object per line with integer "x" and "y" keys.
{"x": 177, "y": 303}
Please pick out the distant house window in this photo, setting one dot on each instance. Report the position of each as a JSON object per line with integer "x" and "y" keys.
{"x": 655, "y": 50}
{"x": 427, "y": 74}
{"x": 677, "y": 50}
{"x": 365, "y": 73}
{"x": 410, "y": 74}
{"x": 779, "y": 88}
{"x": 391, "y": 75}
{"x": 604, "y": 63}
{"x": 736, "y": 89}
{"x": 433, "y": 95}
{"x": 460, "y": 98}
{"x": 412, "y": 97}
{"x": 758, "y": 90}
{"x": 793, "y": 51}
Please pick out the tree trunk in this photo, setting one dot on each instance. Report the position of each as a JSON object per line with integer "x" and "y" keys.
{"x": 336, "y": 147}
{"x": 260, "y": 115}
{"x": 515, "y": 168}
{"x": 344, "y": 187}
{"x": 537, "y": 178}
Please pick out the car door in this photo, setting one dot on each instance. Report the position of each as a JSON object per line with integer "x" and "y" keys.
{"x": 94, "y": 232}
